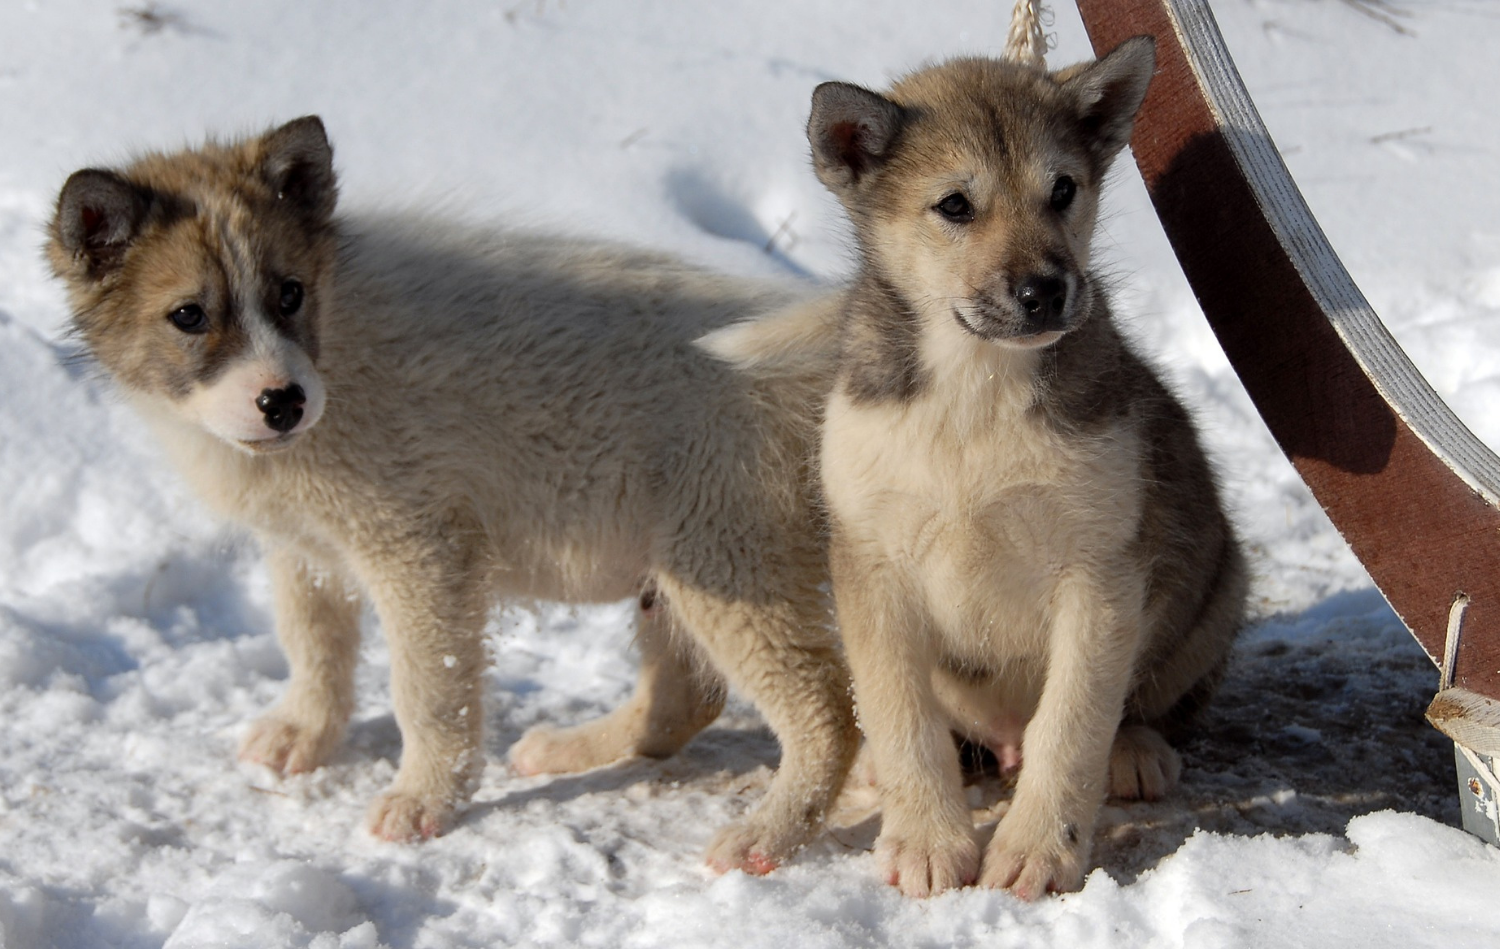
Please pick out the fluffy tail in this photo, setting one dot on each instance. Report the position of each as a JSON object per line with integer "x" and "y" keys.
{"x": 787, "y": 339}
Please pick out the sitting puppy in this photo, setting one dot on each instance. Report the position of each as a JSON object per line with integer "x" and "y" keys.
{"x": 1028, "y": 545}
{"x": 430, "y": 416}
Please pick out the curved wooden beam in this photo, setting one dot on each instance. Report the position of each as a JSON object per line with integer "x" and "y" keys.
{"x": 1411, "y": 490}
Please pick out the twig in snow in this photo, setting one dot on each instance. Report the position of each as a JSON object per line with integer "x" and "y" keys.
{"x": 1382, "y": 11}
{"x": 1397, "y": 136}
{"x": 785, "y": 228}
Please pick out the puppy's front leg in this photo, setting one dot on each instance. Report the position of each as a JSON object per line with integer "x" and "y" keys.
{"x": 317, "y": 624}
{"x": 1043, "y": 841}
{"x": 432, "y": 607}
{"x": 926, "y": 842}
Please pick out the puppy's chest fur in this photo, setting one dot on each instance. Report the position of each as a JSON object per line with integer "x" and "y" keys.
{"x": 976, "y": 496}
{"x": 306, "y": 497}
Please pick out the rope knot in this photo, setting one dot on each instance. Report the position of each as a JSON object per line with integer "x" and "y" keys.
{"x": 1026, "y": 44}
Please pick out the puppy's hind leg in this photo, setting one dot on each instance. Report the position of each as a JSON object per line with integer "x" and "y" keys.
{"x": 675, "y": 697}
{"x": 317, "y": 623}
{"x": 1178, "y": 678}
{"x": 781, "y": 656}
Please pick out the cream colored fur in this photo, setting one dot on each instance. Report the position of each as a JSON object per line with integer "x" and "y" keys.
{"x": 986, "y": 544}
{"x": 503, "y": 414}
{"x": 1028, "y": 547}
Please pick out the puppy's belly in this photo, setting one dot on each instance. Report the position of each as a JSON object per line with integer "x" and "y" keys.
{"x": 991, "y": 707}
{"x": 987, "y": 582}
{"x": 573, "y": 574}
{"x": 991, "y": 619}
{"x": 987, "y": 577}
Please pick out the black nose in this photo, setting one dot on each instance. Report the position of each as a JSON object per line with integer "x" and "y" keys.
{"x": 282, "y": 407}
{"x": 1042, "y": 300}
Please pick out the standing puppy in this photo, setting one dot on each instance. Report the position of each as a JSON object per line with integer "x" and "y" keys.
{"x": 430, "y": 416}
{"x": 1028, "y": 545}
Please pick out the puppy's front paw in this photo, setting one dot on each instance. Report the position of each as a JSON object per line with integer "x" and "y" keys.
{"x": 286, "y": 746}
{"x": 1142, "y": 766}
{"x": 926, "y": 866}
{"x": 407, "y": 818}
{"x": 1033, "y": 859}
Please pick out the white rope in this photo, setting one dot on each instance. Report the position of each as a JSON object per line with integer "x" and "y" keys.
{"x": 1026, "y": 43}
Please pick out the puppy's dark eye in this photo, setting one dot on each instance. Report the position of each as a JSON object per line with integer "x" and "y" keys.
{"x": 291, "y": 297}
{"x": 956, "y": 208}
{"x": 189, "y": 319}
{"x": 1063, "y": 190}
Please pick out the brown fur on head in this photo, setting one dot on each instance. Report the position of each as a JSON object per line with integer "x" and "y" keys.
{"x": 198, "y": 277}
{"x": 973, "y": 185}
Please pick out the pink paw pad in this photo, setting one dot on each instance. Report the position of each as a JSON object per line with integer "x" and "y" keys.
{"x": 758, "y": 864}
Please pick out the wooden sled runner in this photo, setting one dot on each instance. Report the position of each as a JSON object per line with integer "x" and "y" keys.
{"x": 1411, "y": 490}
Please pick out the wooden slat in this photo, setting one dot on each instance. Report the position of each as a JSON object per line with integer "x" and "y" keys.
{"x": 1411, "y": 490}
{"x": 1471, "y": 720}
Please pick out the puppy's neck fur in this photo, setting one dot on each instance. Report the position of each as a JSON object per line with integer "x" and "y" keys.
{"x": 881, "y": 359}
{"x": 895, "y": 355}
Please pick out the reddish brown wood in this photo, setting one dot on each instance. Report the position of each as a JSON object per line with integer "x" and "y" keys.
{"x": 1420, "y": 531}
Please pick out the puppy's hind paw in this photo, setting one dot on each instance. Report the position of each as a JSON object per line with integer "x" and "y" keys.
{"x": 548, "y": 750}
{"x": 1142, "y": 766}
{"x": 409, "y": 818}
{"x": 287, "y": 747}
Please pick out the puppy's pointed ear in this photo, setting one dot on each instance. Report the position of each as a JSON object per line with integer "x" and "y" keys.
{"x": 98, "y": 214}
{"x": 851, "y": 130}
{"x": 297, "y": 162}
{"x": 1109, "y": 92}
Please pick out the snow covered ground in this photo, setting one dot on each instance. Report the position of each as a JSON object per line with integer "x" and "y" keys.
{"x": 1316, "y": 808}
